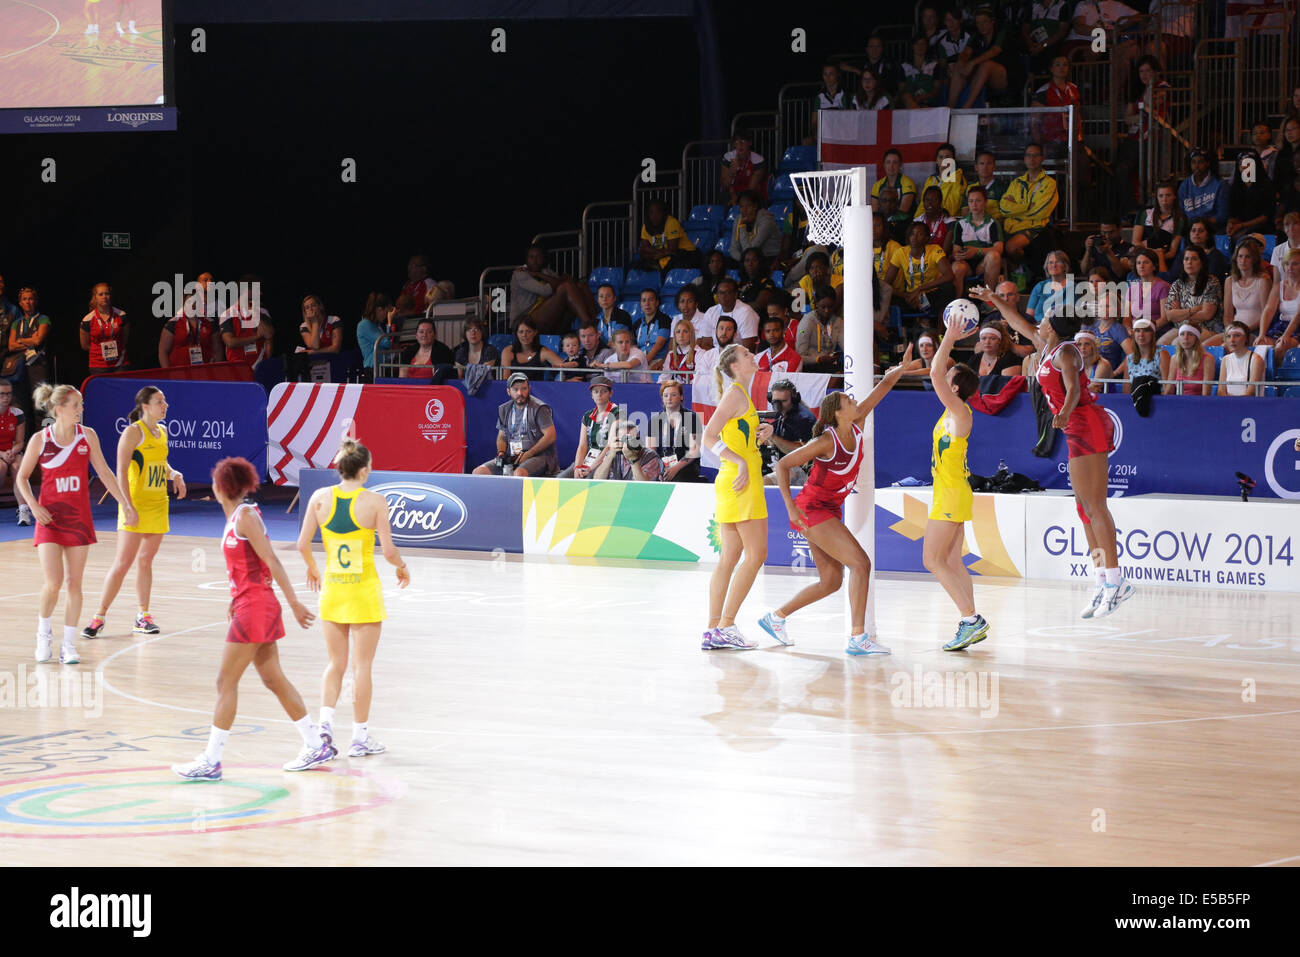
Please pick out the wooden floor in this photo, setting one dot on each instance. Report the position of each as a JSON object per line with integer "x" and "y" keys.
{"x": 562, "y": 713}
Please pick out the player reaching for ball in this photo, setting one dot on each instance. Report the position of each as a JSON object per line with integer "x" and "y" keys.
{"x": 255, "y": 626}
{"x": 1089, "y": 435}
{"x": 950, "y": 510}
{"x": 351, "y": 594}
{"x": 836, "y": 455}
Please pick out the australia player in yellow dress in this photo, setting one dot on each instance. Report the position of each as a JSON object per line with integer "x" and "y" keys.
{"x": 351, "y": 593}
{"x": 741, "y": 509}
{"x": 143, "y": 474}
{"x": 951, "y": 507}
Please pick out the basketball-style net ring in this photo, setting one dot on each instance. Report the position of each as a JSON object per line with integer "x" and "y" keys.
{"x": 823, "y": 195}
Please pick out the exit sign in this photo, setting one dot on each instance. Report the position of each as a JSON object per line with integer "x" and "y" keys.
{"x": 117, "y": 240}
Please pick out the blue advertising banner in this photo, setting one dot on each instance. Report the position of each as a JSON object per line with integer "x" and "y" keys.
{"x": 437, "y": 510}
{"x": 206, "y": 421}
{"x": 89, "y": 119}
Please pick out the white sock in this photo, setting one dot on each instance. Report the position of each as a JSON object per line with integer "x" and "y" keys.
{"x": 359, "y": 731}
{"x": 970, "y": 619}
{"x": 1101, "y": 575}
{"x": 775, "y": 616}
{"x": 69, "y": 634}
{"x": 326, "y": 715}
{"x": 1112, "y": 577}
{"x": 216, "y": 741}
{"x": 310, "y": 733}
{"x": 44, "y": 626}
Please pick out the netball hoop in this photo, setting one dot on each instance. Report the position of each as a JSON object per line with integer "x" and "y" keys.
{"x": 838, "y": 205}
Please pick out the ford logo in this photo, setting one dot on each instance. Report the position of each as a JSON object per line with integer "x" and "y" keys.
{"x": 422, "y": 513}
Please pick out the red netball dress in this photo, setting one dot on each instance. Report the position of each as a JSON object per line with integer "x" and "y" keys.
{"x": 1089, "y": 429}
{"x": 831, "y": 480}
{"x": 65, "y": 491}
{"x": 255, "y": 617}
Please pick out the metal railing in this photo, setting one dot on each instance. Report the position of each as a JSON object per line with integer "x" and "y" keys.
{"x": 494, "y": 293}
{"x": 1216, "y": 93}
{"x": 762, "y": 125}
{"x": 1208, "y": 384}
{"x": 608, "y": 235}
{"x": 794, "y": 112}
{"x": 563, "y": 250}
{"x": 1267, "y": 72}
{"x": 701, "y": 174}
{"x": 666, "y": 187}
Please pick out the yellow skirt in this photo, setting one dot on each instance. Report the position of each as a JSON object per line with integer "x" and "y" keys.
{"x": 153, "y": 517}
{"x": 735, "y": 506}
{"x": 353, "y": 603}
{"x": 952, "y": 503}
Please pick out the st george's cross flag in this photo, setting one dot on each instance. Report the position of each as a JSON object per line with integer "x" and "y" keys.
{"x": 860, "y": 138}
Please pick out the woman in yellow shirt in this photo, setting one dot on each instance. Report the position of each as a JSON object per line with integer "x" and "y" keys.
{"x": 918, "y": 269}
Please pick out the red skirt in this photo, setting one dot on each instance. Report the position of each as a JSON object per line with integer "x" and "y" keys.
{"x": 68, "y": 527}
{"x": 815, "y": 510}
{"x": 256, "y": 620}
{"x": 1089, "y": 431}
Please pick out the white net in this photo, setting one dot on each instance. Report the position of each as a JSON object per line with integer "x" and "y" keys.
{"x": 823, "y": 195}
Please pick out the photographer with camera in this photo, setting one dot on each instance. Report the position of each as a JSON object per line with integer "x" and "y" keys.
{"x": 525, "y": 435}
{"x": 1108, "y": 249}
{"x": 782, "y": 430}
{"x": 627, "y": 459}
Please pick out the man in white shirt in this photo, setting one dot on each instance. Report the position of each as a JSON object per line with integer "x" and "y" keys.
{"x": 625, "y": 357}
{"x": 730, "y": 306}
{"x": 724, "y": 334}
{"x": 1290, "y": 226}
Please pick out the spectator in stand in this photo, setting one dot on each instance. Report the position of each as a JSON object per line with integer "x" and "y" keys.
{"x": 431, "y": 358}
{"x": 679, "y": 365}
{"x": 373, "y": 327}
{"x": 872, "y": 93}
{"x": 1261, "y": 138}
{"x": 594, "y": 429}
{"x": 987, "y": 62}
{"x": 756, "y": 286}
{"x": 591, "y": 351}
{"x": 1043, "y": 32}
{"x": 1057, "y": 92}
{"x": 675, "y": 436}
{"x": 1107, "y": 248}
{"x": 104, "y": 331}
{"x": 1241, "y": 364}
{"x": 977, "y": 243}
{"x": 832, "y": 96}
{"x": 883, "y": 249}
{"x": 819, "y": 274}
{"x": 527, "y": 355}
{"x": 1201, "y": 235}
{"x": 1203, "y": 195}
{"x": 8, "y": 311}
{"x": 926, "y": 275}
{"x": 778, "y": 356}
{"x": 321, "y": 334}
{"x": 1246, "y": 293}
{"x": 925, "y": 348}
{"x": 715, "y": 271}
{"x": 627, "y": 459}
{"x": 609, "y": 315}
{"x": 13, "y": 438}
{"x": 1195, "y": 299}
{"x": 940, "y": 226}
{"x": 1192, "y": 367}
{"x": 1095, "y": 365}
{"x": 1027, "y": 206}
{"x": 1138, "y": 126}
{"x": 420, "y": 286}
{"x": 1293, "y": 108}
{"x": 652, "y": 331}
{"x": 1282, "y": 312}
{"x": 688, "y": 306}
{"x": 792, "y": 428}
{"x": 887, "y": 72}
{"x": 1108, "y": 14}
{"x": 1287, "y": 166}
{"x": 743, "y": 169}
{"x": 1290, "y": 226}
{"x": 246, "y": 326}
{"x": 730, "y": 306}
{"x": 1252, "y": 205}
{"x": 27, "y": 337}
{"x": 1055, "y": 289}
{"x": 192, "y": 337}
{"x": 628, "y": 363}
{"x": 986, "y": 179}
{"x": 779, "y": 308}
{"x": 1145, "y": 359}
{"x": 664, "y": 244}
{"x": 952, "y": 188}
{"x": 953, "y": 39}
{"x": 1163, "y": 227}
{"x": 525, "y": 434}
{"x": 820, "y": 341}
{"x": 994, "y": 360}
{"x": 403, "y": 309}
{"x": 571, "y": 358}
{"x": 1145, "y": 296}
{"x": 896, "y": 221}
{"x": 548, "y": 299}
{"x": 928, "y": 22}
{"x": 755, "y": 227}
{"x": 474, "y": 349}
{"x": 1176, "y": 21}
{"x": 922, "y": 76}
{"x": 724, "y": 334}
{"x": 1022, "y": 347}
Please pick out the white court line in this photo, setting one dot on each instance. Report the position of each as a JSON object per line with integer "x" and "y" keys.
{"x": 1281, "y": 860}
{"x": 57, "y": 27}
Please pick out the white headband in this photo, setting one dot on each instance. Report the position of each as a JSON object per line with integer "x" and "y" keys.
{"x": 925, "y": 339}
{"x": 989, "y": 331}
{"x": 1186, "y": 327}
{"x": 1084, "y": 334}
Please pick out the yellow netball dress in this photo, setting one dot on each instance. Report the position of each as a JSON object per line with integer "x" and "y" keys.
{"x": 147, "y": 477}
{"x": 741, "y": 436}
{"x": 350, "y": 593}
{"x": 952, "y": 495}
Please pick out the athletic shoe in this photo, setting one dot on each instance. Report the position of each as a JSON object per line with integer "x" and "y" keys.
{"x": 360, "y": 749}
{"x": 130, "y": 28}
{"x": 1115, "y": 596}
{"x": 775, "y": 627}
{"x": 730, "y": 637}
{"x": 90, "y": 28}
{"x": 24, "y": 515}
{"x": 864, "y": 644}
{"x": 68, "y": 653}
{"x": 44, "y": 648}
{"x": 968, "y": 633}
{"x": 120, "y": 31}
{"x": 144, "y": 625}
{"x": 309, "y": 758}
{"x": 94, "y": 628}
{"x": 706, "y": 643}
{"x": 327, "y": 733}
{"x": 1098, "y": 597}
{"x": 199, "y": 769}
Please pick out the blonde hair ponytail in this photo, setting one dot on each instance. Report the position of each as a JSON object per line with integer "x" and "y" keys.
{"x": 726, "y": 360}
{"x": 48, "y": 397}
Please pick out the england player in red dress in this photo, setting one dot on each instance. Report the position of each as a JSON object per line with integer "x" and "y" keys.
{"x": 1089, "y": 436}
{"x": 64, "y": 528}
{"x": 255, "y": 626}
{"x": 836, "y": 454}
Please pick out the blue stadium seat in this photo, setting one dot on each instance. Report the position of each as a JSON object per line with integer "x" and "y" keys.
{"x": 606, "y": 274}
{"x": 1290, "y": 368}
{"x": 675, "y": 280}
{"x": 799, "y": 159}
{"x": 734, "y": 274}
{"x": 638, "y": 279}
{"x": 778, "y": 278}
{"x": 553, "y": 343}
{"x": 702, "y": 236}
{"x": 1223, "y": 244}
{"x": 1266, "y": 353}
{"x": 633, "y": 308}
{"x": 1217, "y": 352}
{"x": 711, "y": 215}
{"x": 670, "y": 309}
{"x": 723, "y": 245}
{"x": 733, "y": 214}
{"x": 1270, "y": 241}
{"x": 501, "y": 341}
{"x": 782, "y": 189}
{"x": 780, "y": 211}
